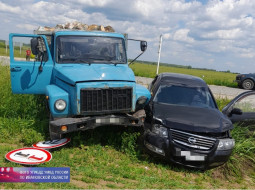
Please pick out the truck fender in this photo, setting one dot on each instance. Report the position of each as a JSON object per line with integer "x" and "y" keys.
{"x": 55, "y": 93}
{"x": 142, "y": 91}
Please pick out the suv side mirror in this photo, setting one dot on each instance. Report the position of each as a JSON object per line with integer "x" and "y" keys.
{"x": 143, "y": 45}
{"x": 34, "y": 46}
{"x": 236, "y": 111}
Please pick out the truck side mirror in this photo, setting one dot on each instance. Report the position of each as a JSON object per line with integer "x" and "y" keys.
{"x": 34, "y": 46}
{"x": 143, "y": 45}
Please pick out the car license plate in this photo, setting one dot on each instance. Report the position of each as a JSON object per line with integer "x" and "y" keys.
{"x": 190, "y": 156}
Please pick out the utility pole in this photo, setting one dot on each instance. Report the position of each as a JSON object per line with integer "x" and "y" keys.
{"x": 20, "y": 45}
{"x": 6, "y": 44}
{"x": 159, "y": 51}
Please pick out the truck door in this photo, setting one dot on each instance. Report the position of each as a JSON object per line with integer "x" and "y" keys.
{"x": 30, "y": 73}
{"x": 241, "y": 108}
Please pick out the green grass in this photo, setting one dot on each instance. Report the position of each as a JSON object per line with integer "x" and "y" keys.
{"x": 210, "y": 77}
{"x": 111, "y": 157}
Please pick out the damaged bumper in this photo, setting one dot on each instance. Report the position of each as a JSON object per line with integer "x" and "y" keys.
{"x": 180, "y": 154}
{"x": 67, "y": 125}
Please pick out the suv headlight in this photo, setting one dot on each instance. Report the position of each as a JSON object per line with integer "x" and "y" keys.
{"x": 60, "y": 105}
{"x": 159, "y": 130}
{"x": 226, "y": 144}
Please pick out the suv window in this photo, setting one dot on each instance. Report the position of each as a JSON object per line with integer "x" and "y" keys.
{"x": 186, "y": 96}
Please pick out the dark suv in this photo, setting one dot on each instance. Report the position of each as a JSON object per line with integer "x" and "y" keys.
{"x": 245, "y": 81}
{"x": 184, "y": 125}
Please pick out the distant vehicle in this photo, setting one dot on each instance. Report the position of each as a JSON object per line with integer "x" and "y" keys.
{"x": 184, "y": 125}
{"x": 245, "y": 81}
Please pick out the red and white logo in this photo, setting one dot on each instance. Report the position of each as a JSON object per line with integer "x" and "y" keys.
{"x": 29, "y": 156}
{"x": 52, "y": 144}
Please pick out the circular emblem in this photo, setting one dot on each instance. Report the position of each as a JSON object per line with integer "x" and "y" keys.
{"x": 52, "y": 144}
{"x": 192, "y": 140}
{"x": 29, "y": 156}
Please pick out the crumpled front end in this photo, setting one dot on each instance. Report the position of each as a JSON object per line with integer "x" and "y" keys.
{"x": 194, "y": 150}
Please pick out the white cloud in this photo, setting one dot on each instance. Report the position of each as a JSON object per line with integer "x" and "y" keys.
{"x": 167, "y": 36}
{"x": 149, "y": 7}
{"x": 208, "y": 34}
{"x": 7, "y": 8}
{"x": 178, "y": 6}
{"x": 99, "y": 3}
{"x": 224, "y": 34}
{"x": 182, "y": 35}
{"x": 27, "y": 26}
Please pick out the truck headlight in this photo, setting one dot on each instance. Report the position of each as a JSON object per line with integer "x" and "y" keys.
{"x": 142, "y": 100}
{"x": 159, "y": 130}
{"x": 226, "y": 144}
{"x": 60, "y": 105}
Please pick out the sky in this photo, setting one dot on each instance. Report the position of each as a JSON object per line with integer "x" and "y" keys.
{"x": 213, "y": 34}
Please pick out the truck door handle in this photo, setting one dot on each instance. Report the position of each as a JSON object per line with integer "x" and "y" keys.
{"x": 15, "y": 69}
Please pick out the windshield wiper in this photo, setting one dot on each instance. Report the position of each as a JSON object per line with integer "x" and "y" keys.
{"x": 74, "y": 60}
{"x": 101, "y": 60}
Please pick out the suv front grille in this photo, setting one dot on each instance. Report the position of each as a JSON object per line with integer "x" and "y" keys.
{"x": 108, "y": 100}
{"x": 192, "y": 140}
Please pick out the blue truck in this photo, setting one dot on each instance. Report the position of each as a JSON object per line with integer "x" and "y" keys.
{"x": 84, "y": 75}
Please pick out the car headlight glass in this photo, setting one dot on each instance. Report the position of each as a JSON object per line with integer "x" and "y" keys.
{"x": 159, "y": 130}
{"x": 226, "y": 144}
{"x": 142, "y": 100}
{"x": 60, "y": 105}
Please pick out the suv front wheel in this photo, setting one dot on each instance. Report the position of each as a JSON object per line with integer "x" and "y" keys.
{"x": 248, "y": 84}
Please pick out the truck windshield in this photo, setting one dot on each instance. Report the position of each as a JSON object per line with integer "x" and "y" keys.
{"x": 184, "y": 96}
{"x": 90, "y": 49}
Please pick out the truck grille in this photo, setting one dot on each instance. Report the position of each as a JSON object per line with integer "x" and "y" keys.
{"x": 192, "y": 140}
{"x": 109, "y": 100}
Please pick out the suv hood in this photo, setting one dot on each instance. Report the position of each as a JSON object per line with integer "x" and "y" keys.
{"x": 94, "y": 72}
{"x": 192, "y": 119}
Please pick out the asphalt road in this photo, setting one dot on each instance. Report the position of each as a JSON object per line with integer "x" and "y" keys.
{"x": 218, "y": 91}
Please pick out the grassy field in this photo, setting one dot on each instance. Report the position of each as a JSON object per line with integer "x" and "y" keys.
{"x": 17, "y": 52}
{"x": 112, "y": 157}
{"x": 211, "y": 77}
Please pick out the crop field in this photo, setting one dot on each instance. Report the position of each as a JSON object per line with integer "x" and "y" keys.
{"x": 211, "y": 77}
{"x": 112, "y": 157}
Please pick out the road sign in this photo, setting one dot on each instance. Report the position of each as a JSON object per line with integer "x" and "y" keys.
{"x": 29, "y": 156}
{"x": 52, "y": 144}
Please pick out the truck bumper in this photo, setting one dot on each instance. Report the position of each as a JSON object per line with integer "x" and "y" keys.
{"x": 67, "y": 125}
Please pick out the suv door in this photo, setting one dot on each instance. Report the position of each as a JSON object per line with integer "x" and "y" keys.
{"x": 241, "y": 108}
{"x": 30, "y": 74}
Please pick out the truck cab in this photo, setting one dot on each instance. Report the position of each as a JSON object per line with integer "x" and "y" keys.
{"x": 83, "y": 74}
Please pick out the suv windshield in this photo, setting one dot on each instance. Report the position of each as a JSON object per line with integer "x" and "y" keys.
{"x": 90, "y": 49}
{"x": 184, "y": 96}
